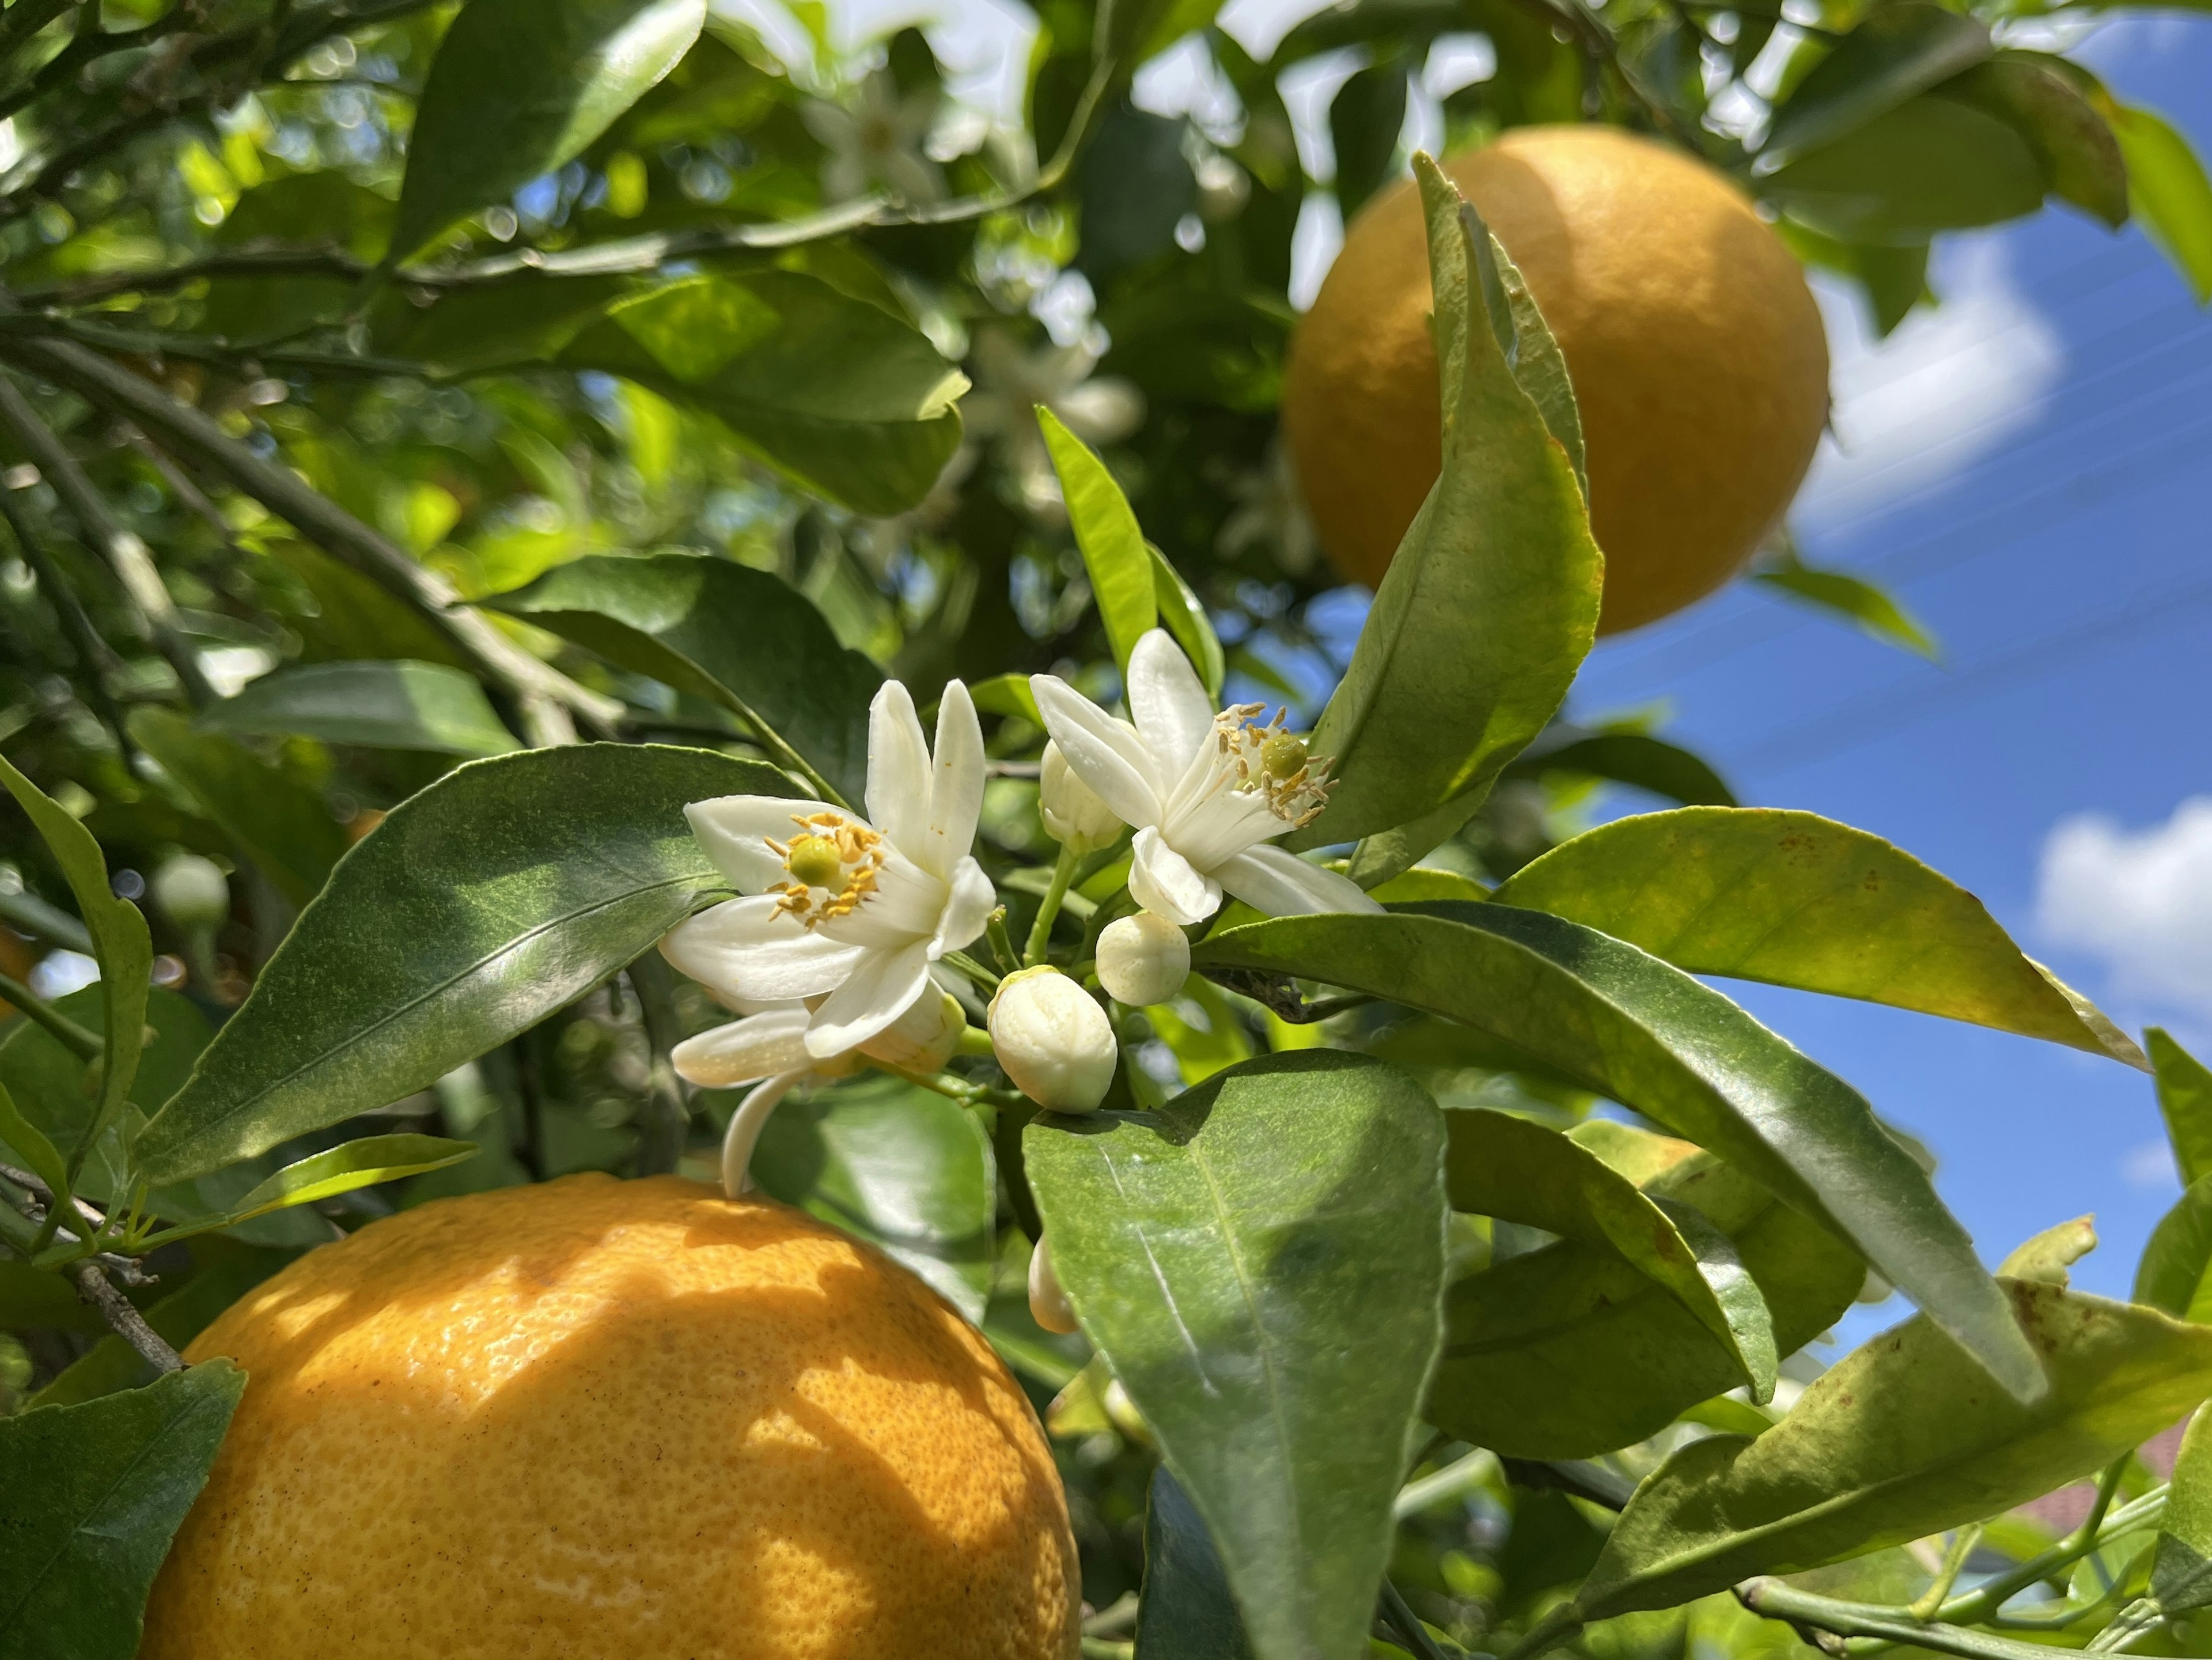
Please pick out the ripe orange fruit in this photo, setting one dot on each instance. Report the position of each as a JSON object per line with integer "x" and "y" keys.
{"x": 1695, "y": 349}
{"x": 616, "y": 1420}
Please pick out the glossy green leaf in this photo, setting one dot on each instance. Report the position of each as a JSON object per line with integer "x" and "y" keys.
{"x": 901, "y": 1167}
{"x": 1285, "y": 1222}
{"x": 1901, "y": 1440}
{"x": 1627, "y": 757}
{"x": 1183, "y": 615}
{"x": 282, "y": 826}
{"x": 1517, "y": 1171}
{"x": 1932, "y": 164}
{"x": 721, "y": 631}
{"x": 386, "y": 705}
{"x": 2181, "y": 1572}
{"x": 1007, "y": 694}
{"x": 499, "y": 894}
{"x": 1899, "y": 51}
{"x": 120, "y": 942}
{"x": 1187, "y": 1612}
{"x": 1872, "y": 609}
{"x": 1491, "y": 600}
{"x": 229, "y": 1270}
{"x": 2080, "y": 157}
{"x": 358, "y": 1164}
{"x": 1115, "y": 553}
{"x": 518, "y": 87}
{"x": 1794, "y": 899}
{"x": 89, "y": 1498}
{"x": 2168, "y": 192}
{"x": 1645, "y": 1034}
{"x": 852, "y": 403}
{"x": 30, "y": 1144}
{"x": 2185, "y": 1100}
{"x": 2175, "y": 1273}
{"x": 1569, "y": 1351}
{"x": 1365, "y": 119}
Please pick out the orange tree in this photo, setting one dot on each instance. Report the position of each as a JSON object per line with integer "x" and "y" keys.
{"x": 447, "y": 444}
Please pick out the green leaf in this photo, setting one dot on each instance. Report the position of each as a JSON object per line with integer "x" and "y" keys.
{"x": 26, "y": 1139}
{"x": 400, "y": 706}
{"x": 901, "y": 1167}
{"x": 2045, "y": 1257}
{"x": 282, "y": 826}
{"x": 1899, "y": 51}
{"x": 120, "y": 942}
{"x": 1491, "y": 601}
{"x": 1628, "y": 758}
{"x": 2185, "y": 1100}
{"x": 359, "y": 1164}
{"x": 89, "y": 1498}
{"x": 1933, "y": 164}
{"x": 2080, "y": 157}
{"x": 2181, "y": 1572}
{"x": 2168, "y": 192}
{"x": 852, "y": 403}
{"x": 1900, "y": 1439}
{"x": 1874, "y": 610}
{"x": 1646, "y": 1035}
{"x": 1569, "y": 1351}
{"x": 1365, "y": 119}
{"x": 1009, "y": 694}
{"x": 1183, "y": 615}
{"x": 724, "y": 632}
{"x": 1114, "y": 553}
{"x": 2175, "y": 1273}
{"x": 1187, "y": 1612}
{"x": 499, "y": 894}
{"x": 1285, "y": 1223}
{"x": 1129, "y": 32}
{"x": 518, "y": 87}
{"x": 1509, "y": 1168}
{"x": 1794, "y": 899}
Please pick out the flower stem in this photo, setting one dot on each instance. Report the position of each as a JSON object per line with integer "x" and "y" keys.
{"x": 1040, "y": 940}
{"x": 1002, "y": 945}
{"x": 83, "y": 1044}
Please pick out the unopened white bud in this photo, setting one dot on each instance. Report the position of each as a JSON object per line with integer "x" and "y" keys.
{"x": 1053, "y": 1040}
{"x": 1143, "y": 959}
{"x": 192, "y": 892}
{"x": 1048, "y": 1303}
{"x": 923, "y": 1038}
{"x": 1074, "y": 815}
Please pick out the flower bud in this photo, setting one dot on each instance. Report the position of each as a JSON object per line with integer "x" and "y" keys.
{"x": 1048, "y": 1303}
{"x": 923, "y": 1038}
{"x": 1053, "y": 1040}
{"x": 1143, "y": 959}
{"x": 192, "y": 892}
{"x": 1074, "y": 815}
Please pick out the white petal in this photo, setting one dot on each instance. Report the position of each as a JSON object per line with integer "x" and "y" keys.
{"x": 1102, "y": 412}
{"x": 1173, "y": 713}
{"x": 745, "y": 1131}
{"x": 905, "y": 906}
{"x": 1104, "y": 752}
{"x": 751, "y": 1047}
{"x": 898, "y": 767}
{"x": 1166, "y": 883}
{"x": 747, "y": 948}
{"x": 956, "y": 789}
{"x": 967, "y": 911}
{"x": 830, "y": 125}
{"x": 733, "y": 832}
{"x": 882, "y": 988}
{"x": 1283, "y": 885}
{"x": 1222, "y": 826}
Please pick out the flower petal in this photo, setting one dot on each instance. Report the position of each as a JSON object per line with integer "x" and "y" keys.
{"x": 748, "y": 948}
{"x": 1221, "y": 826}
{"x": 904, "y": 907}
{"x": 967, "y": 911}
{"x": 1168, "y": 703}
{"x": 1166, "y": 883}
{"x": 899, "y": 767}
{"x": 882, "y": 988}
{"x": 732, "y": 830}
{"x": 956, "y": 789}
{"x": 1104, "y": 753}
{"x": 1281, "y": 884}
{"x": 751, "y": 1047}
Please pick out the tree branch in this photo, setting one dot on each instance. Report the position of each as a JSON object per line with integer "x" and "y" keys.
{"x": 83, "y": 1044}
{"x": 95, "y": 658}
{"x": 92, "y": 1284}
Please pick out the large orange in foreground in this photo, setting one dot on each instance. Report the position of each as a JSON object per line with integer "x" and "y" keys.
{"x": 616, "y": 1420}
{"x": 1695, "y": 349}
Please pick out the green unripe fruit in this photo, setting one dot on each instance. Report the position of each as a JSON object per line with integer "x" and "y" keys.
{"x": 815, "y": 862}
{"x": 192, "y": 893}
{"x": 1282, "y": 755}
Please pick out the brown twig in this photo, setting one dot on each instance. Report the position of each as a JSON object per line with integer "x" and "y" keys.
{"x": 93, "y": 1286}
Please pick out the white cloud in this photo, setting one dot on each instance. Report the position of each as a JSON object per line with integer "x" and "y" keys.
{"x": 2149, "y": 1165}
{"x": 1950, "y": 385}
{"x": 2141, "y": 901}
